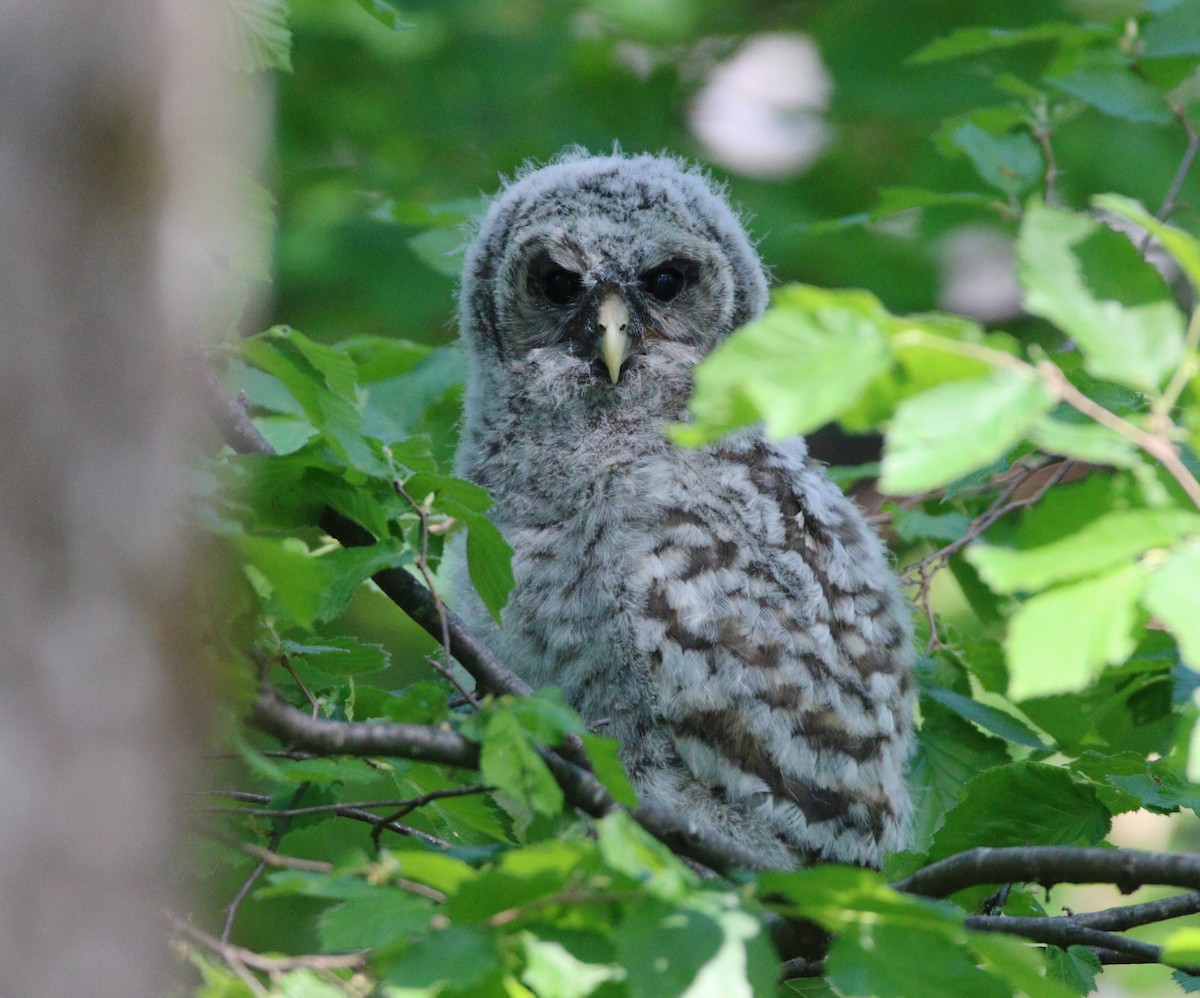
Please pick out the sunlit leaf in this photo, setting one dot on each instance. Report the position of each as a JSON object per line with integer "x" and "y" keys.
{"x": 1091, "y": 282}
{"x": 796, "y": 368}
{"x": 948, "y": 431}
{"x": 1109, "y": 542}
{"x": 1058, "y": 641}
{"x": 1173, "y": 595}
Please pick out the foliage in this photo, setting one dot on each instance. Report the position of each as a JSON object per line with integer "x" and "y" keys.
{"x": 1040, "y": 484}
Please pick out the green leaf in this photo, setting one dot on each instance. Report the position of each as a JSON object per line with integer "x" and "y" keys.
{"x": 663, "y": 948}
{"x": 1143, "y": 783}
{"x": 1182, "y": 246}
{"x": 257, "y": 35}
{"x": 339, "y": 887}
{"x": 806, "y": 360}
{"x": 1101, "y": 77}
{"x": 441, "y": 249}
{"x": 949, "y": 754}
{"x": 342, "y": 656}
{"x": 509, "y": 762}
{"x": 1089, "y": 442}
{"x": 1019, "y": 964}
{"x": 1091, "y": 282}
{"x": 604, "y": 755}
{"x": 376, "y": 919}
{"x": 972, "y": 41}
{"x": 1109, "y": 542}
{"x": 489, "y": 559}
{"x": 841, "y": 897}
{"x": 1023, "y": 803}
{"x": 1012, "y": 163}
{"x": 914, "y": 524}
{"x": 385, "y": 13}
{"x": 457, "y": 955}
{"x": 444, "y": 873}
{"x": 295, "y": 578}
{"x": 1173, "y": 595}
{"x": 948, "y": 431}
{"x": 629, "y": 849}
{"x": 350, "y": 567}
{"x": 1173, "y": 32}
{"x": 305, "y": 984}
{"x": 1076, "y": 967}
{"x": 900, "y": 961}
{"x": 1059, "y": 641}
{"x": 990, "y": 718}
{"x": 1182, "y": 948}
{"x": 321, "y": 380}
{"x": 745, "y": 965}
{"x": 552, "y": 971}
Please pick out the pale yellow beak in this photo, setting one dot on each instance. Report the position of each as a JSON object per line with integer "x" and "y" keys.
{"x": 613, "y": 321}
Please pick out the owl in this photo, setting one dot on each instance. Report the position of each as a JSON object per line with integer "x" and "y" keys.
{"x": 724, "y": 613}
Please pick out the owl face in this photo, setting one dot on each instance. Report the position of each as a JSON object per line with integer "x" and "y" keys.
{"x": 605, "y": 273}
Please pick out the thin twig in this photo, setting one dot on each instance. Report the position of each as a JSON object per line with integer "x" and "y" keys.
{"x": 287, "y": 862}
{"x": 286, "y": 665}
{"x": 422, "y": 563}
{"x": 1042, "y": 132}
{"x": 276, "y": 836}
{"x": 267, "y": 964}
{"x": 1167, "y": 209}
{"x": 922, "y": 572}
{"x": 1158, "y": 447}
{"x": 405, "y": 806}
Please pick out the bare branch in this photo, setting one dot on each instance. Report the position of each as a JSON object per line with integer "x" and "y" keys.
{"x": 1127, "y": 869}
{"x": 582, "y": 789}
{"x": 318, "y": 734}
{"x": 1127, "y": 916}
{"x": 1064, "y": 932}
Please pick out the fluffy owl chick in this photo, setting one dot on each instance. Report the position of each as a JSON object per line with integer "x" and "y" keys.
{"x": 725, "y": 613}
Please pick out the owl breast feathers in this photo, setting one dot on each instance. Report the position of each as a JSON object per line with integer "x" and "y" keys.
{"x": 725, "y": 613}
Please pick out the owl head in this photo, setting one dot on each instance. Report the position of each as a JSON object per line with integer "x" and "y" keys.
{"x": 608, "y": 277}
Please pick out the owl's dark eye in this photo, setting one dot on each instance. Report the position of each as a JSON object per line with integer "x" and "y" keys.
{"x": 561, "y": 286}
{"x": 664, "y": 283}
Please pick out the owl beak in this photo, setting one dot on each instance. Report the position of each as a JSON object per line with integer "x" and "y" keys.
{"x": 612, "y": 321}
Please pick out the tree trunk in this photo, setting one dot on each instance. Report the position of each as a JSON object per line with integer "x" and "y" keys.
{"x": 104, "y": 290}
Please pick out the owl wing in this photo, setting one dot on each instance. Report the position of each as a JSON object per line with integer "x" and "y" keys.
{"x": 779, "y": 653}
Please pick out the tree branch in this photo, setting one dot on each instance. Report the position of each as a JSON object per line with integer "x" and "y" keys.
{"x": 1127, "y": 869}
{"x": 1064, "y": 932}
{"x": 414, "y": 741}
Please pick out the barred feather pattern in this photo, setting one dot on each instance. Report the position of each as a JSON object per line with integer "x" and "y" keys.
{"x": 725, "y": 613}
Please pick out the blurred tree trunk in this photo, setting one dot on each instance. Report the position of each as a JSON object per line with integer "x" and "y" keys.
{"x": 103, "y": 293}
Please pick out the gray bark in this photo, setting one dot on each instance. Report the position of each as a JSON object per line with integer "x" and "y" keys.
{"x": 105, "y": 227}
